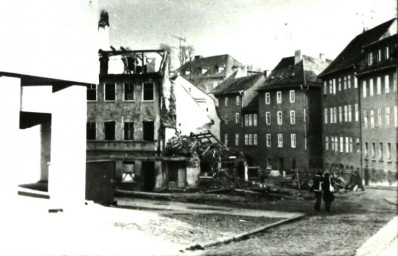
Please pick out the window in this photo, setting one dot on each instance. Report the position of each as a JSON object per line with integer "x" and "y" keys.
{"x": 378, "y": 85}
{"x": 379, "y": 117}
{"x": 351, "y": 146}
{"x": 356, "y": 109}
{"x": 268, "y": 140}
{"x": 250, "y": 120}
{"x": 358, "y": 148}
{"x": 128, "y": 92}
{"x": 109, "y": 130}
{"x": 355, "y": 82}
{"x": 364, "y": 92}
{"x": 341, "y": 144}
{"x": 219, "y": 69}
{"x": 246, "y": 120}
{"x": 148, "y": 128}
{"x": 325, "y": 88}
{"x": 279, "y": 117}
{"x": 226, "y": 139}
{"x": 340, "y": 114}
{"x": 226, "y": 117}
{"x": 148, "y": 93}
{"x": 365, "y": 119}
{"x": 381, "y": 151}
{"x": 237, "y": 100}
{"x": 370, "y": 58}
{"x": 292, "y": 96}
{"x": 388, "y": 151}
{"x": 268, "y": 118}
{"x": 237, "y": 118}
{"x": 250, "y": 139}
{"x": 92, "y": 92}
{"x": 387, "y": 52}
{"x": 366, "y": 150}
{"x": 349, "y": 113}
{"x": 339, "y": 84}
{"x": 372, "y": 119}
{"x": 236, "y": 139}
{"x": 371, "y": 91}
{"x": 347, "y": 145}
{"x": 305, "y": 142}
{"x": 91, "y": 130}
{"x": 373, "y": 150}
{"x": 254, "y": 119}
{"x": 292, "y": 117}
{"x": 331, "y": 115}
{"x": 246, "y": 139}
{"x": 379, "y": 55}
{"x": 326, "y": 115}
{"x": 349, "y": 82}
{"x": 335, "y": 115}
{"x": 279, "y": 97}
{"x": 326, "y": 143}
{"x": 267, "y": 98}
{"x": 293, "y": 140}
{"x": 226, "y": 101}
{"x": 128, "y": 174}
{"x": 332, "y": 143}
{"x": 255, "y": 139}
{"x": 334, "y": 86}
{"x": 128, "y": 131}
{"x": 305, "y": 115}
{"x": 110, "y": 92}
{"x": 280, "y": 140}
{"x": 330, "y": 87}
{"x": 187, "y": 72}
{"x": 345, "y": 113}
{"x": 386, "y": 83}
{"x": 336, "y": 144}
{"x": 204, "y": 71}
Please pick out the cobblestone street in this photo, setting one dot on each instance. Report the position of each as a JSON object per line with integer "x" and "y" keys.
{"x": 324, "y": 233}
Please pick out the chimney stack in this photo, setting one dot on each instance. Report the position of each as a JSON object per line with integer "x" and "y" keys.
{"x": 297, "y": 56}
{"x": 265, "y": 73}
{"x": 103, "y": 31}
{"x": 322, "y": 57}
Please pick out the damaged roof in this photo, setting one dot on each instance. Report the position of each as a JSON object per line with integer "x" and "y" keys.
{"x": 288, "y": 74}
{"x": 234, "y": 85}
{"x": 353, "y": 52}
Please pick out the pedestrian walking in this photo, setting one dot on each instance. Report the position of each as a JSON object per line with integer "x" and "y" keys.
{"x": 328, "y": 191}
{"x": 317, "y": 189}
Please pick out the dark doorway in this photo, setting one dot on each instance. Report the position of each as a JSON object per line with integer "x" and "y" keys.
{"x": 280, "y": 162}
{"x": 293, "y": 164}
{"x": 367, "y": 176}
{"x": 149, "y": 130}
{"x": 148, "y": 173}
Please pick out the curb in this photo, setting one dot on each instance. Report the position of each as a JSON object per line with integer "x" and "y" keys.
{"x": 243, "y": 235}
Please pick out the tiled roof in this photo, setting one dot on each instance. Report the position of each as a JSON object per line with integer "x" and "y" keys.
{"x": 287, "y": 74}
{"x": 234, "y": 85}
{"x": 352, "y": 53}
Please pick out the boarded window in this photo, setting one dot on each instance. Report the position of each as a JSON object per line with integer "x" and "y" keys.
{"x": 149, "y": 130}
{"x": 128, "y": 131}
{"x": 128, "y": 92}
{"x": 148, "y": 93}
{"x": 109, "y": 130}
{"x": 110, "y": 92}
{"x": 91, "y": 131}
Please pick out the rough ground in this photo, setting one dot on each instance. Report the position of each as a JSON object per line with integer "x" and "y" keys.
{"x": 355, "y": 217}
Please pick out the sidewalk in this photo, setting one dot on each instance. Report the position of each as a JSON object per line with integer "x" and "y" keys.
{"x": 383, "y": 243}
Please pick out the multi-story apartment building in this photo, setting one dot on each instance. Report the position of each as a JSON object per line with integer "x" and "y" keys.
{"x": 208, "y": 72}
{"x": 377, "y": 79}
{"x": 341, "y": 104}
{"x": 238, "y": 112}
{"x": 289, "y": 120}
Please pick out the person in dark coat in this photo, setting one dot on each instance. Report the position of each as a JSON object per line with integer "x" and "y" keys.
{"x": 328, "y": 191}
{"x": 317, "y": 189}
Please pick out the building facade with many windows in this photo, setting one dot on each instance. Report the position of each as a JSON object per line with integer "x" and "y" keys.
{"x": 377, "y": 77}
{"x": 290, "y": 114}
{"x": 343, "y": 105}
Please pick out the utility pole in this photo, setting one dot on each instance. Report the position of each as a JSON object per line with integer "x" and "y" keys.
{"x": 180, "y": 54}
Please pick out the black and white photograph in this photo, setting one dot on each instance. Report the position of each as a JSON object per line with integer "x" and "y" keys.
{"x": 199, "y": 127}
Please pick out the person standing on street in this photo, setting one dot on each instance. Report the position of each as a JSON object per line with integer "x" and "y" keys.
{"x": 328, "y": 191}
{"x": 317, "y": 189}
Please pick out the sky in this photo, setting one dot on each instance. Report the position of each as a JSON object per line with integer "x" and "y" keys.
{"x": 256, "y": 32}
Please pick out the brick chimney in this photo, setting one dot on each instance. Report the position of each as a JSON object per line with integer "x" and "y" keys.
{"x": 297, "y": 56}
{"x": 103, "y": 31}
